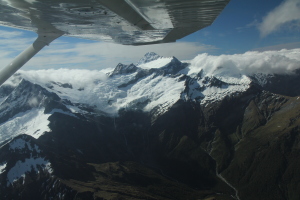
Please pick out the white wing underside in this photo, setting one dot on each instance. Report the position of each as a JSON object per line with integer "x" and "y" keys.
{"x": 131, "y": 22}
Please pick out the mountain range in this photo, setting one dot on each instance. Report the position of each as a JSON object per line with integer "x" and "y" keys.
{"x": 158, "y": 129}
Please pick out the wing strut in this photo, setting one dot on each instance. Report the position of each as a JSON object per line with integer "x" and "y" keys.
{"x": 42, "y": 41}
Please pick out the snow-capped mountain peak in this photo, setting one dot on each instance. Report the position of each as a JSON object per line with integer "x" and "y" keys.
{"x": 168, "y": 65}
{"x": 124, "y": 69}
{"x": 148, "y": 57}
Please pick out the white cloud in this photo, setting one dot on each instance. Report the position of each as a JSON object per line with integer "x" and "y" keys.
{"x": 88, "y": 55}
{"x": 11, "y": 44}
{"x": 12, "y": 34}
{"x": 288, "y": 12}
{"x": 77, "y": 77}
{"x": 102, "y": 55}
{"x": 254, "y": 23}
{"x": 283, "y": 61}
{"x": 293, "y": 45}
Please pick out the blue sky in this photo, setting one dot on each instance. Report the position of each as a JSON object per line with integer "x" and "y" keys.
{"x": 240, "y": 27}
{"x": 244, "y": 25}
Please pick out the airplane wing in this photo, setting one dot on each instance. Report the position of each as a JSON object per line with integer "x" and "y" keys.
{"x": 129, "y": 22}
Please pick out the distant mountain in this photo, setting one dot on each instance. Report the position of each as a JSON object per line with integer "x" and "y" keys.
{"x": 150, "y": 56}
{"x": 285, "y": 84}
{"x": 160, "y": 129}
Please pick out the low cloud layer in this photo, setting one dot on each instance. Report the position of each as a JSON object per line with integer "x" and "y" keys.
{"x": 268, "y": 62}
{"x": 101, "y": 55}
{"x": 286, "y": 15}
{"x": 81, "y": 54}
{"x": 280, "y": 62}
{"x": 77, "y": 77}
{"x": 249, "y": 63}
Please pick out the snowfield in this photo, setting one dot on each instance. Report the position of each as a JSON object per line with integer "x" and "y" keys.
{"x": 30, "y": 164}
{"x": 32, "y": 122}
{"x": 159, "y": 63}
{"x": 2, "y": 167}
{"x": 20, "y": 144}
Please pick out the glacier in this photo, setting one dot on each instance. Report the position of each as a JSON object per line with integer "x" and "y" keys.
{"x": 32, "y": 122}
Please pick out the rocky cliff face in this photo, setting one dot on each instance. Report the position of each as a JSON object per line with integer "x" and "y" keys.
{"x": 150, "y": 131}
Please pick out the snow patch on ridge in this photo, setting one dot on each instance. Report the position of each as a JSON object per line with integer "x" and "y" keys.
{"x": 213, "y": 94}
{"x": 233, "y": 85}
{"x": 2, "y": 167}
{"x": 63, "y": 112}
{"x": 32, "y": 122}
{"x": 20, "y": 144}
{"x": 164, "y": 91}
{"x": 211, "y": 89}
{"x": 262, "y": 79}
{"x": 158, "y": 63}
{"x": 21, "y": 168}
{"x": 159, "y": 90}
